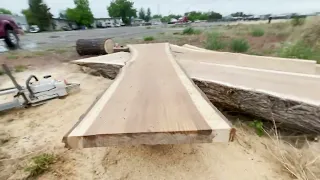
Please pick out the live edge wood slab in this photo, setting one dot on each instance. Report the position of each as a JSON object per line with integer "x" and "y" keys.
{"x": 151, "y": 101}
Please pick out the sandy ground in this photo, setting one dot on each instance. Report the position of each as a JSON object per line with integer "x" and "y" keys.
{"x": 27, "y": 132}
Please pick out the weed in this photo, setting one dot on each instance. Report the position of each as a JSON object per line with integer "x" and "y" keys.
{"x": 177, "y": 33}
{"x": 299, "y": 50}
{"x": 20, "y": 68}
{"x": 257, "y": 32}
{"x": 40, "y": 53}
{"x": 40, "y": 164}
{"x": 12, "y": 56}
{"x": 190, "y": 31}
{"x": 28, "y": 56}
{"x": 148, "y": 27}
{"x": 1, "y": 72}
{"x": 298, "y": 21}
{"x": 239, "y": 45}
{"x": 258, "y": 126}
{"x": 148, "y": 38}
{"x": 162, "y": 33}
{"x": 214, "y": 42}
{"x": 60, "y": 51}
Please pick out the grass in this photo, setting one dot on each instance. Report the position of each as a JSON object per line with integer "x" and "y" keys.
{"x": 177, "y": 33}
{"x": 40, "y": 53}
{"x": 40, "y": 164}
{"x": 298, "y": 50}
{"x": 239, "y": 45}
{"x": 1, "y": 72}
{"x": 190, "y": 31}
{"x": 257, "y": 32}
{"x": 298, "y": 21}
{"x": 214, "y": 41}
{"x": 258, "y": 126}
{"x": 12, "y": 56}
{"x": 20, "y": 68}
{"x": 148, "y": 38}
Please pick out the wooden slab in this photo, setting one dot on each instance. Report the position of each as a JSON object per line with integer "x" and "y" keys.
{"x": 152, "y": 101}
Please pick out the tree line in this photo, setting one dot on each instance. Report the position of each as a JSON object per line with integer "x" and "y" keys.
{"x": 39, "y": 14}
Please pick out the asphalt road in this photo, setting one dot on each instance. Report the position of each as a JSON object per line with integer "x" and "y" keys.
{"x": 45, "y": 40}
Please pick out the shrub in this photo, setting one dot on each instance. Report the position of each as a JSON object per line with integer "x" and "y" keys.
{"x": 148, "y": 38}
{"x": 298, "y": 21}
{"x": 40, "y": 164}
{"x": 1, "y": 72}
{"x": 257, "y": 32}
{"x": 190, "y": 31}
{"x": 214, "y": 42}
{"x": 239, "y": 45}
{"x": 258, "y": 126}
{"x": 12, "y": 56}
{"x": 298, "y": 50}
{"x": 20, "y": 68}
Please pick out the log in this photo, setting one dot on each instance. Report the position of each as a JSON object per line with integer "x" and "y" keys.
{"x": 152, "y": 101}
{"x": 265, "y": 94}
{"x": 98, "y": 46}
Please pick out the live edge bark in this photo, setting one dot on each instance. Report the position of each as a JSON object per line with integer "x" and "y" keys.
{"x": 291, "y": 114}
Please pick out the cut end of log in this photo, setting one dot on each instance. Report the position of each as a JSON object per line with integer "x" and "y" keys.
{"x": 99, "y": 46}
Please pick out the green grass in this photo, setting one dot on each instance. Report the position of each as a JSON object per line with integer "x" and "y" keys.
{"x": 148, "y": 27}
{"x": 214, "y": 41}
{"x": 190, "y": 31}
{"x": 60, "y": 51}
{"x": 148, "y": 38}
{"x": 20, "y": 68}
{"x": 40, "y": 164}
{"x": 177, "y": 33}
{"x": 1, "y": 72}
{"x": 298, "y": 21}
{"x": 12, "y": 56}
{"x": 239, "y": 45}
{"x": 40, "y": 53}
{"x": 299, "y": 50}
{"x": 258, "y": 126}
{"x": 257, "y": 32}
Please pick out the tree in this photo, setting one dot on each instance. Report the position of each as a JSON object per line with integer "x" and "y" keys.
{"x": 156, "y": 16}
{"x": 81, "y": 14}
{"x": 168, "y": 18}
{"x": 148, "y": 16}
{"x": 63, "y": 15}
{"x": 5, "y": 11}
{"x": 123, "y": 9}
{"x": 142, "y": 14}
{"x": 212, "y": 16}
{"x": 238, "y": 14}
{"x": 38, "y": 14}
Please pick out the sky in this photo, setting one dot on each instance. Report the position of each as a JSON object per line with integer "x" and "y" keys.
{"x": 165, "y": 7}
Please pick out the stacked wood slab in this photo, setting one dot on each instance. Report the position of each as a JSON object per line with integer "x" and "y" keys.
{"x": 152, "y": 101}
{"x": 287, "y": 95}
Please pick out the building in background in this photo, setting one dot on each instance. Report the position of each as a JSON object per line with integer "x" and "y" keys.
{"x": 21, "y": 22}
{"x": 107, "y": 22}
{"x": 59, "y": 24}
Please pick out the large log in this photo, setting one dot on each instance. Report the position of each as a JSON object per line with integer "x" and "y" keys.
{"x": 152, "y": 101}
{"x": 98, "y": 46}
{"x": 265, "y": 94}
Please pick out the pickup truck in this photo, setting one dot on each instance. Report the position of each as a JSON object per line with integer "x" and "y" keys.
{"x": 9, "y": 31}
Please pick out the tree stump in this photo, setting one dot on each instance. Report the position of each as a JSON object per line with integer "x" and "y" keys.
{"x": 98, "y": 46}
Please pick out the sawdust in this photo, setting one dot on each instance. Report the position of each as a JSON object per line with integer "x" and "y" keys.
{"x": 40, "y": 129}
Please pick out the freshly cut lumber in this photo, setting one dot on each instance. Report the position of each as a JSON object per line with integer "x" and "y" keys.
{"x": 289, "y": 98}
{"x": 98, "y": 46}
{"x": 243, "y": 60}
{"x": 152, "y": 101}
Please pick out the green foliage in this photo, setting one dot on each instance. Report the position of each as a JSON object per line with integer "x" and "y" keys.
{"x": 238, "y": 14}
{"x": 81, "y": 14}
{"x": 239, "y": 45}
{"x": 123, "y": 9}
{"x": 214, "y": 16}
{"x": 258, "y": 126}
{"x": 168, "y": 18}
{"x": 142, "y": 14}
{"x": 12, "y": 56}
{"x": 257, "y": 32}
{"x": 298, "y": 21}
{"x": 148, "y": 16}
{"x": 148, "y": 38}
{"x": 38, "y": 14}
{"x": 40, "y": 164}
{"x": 1, "y": 72}
{"x": 157, "y": 16}
{"x": 190, "y": 31}
{"x": 5, "y": 11}
{"x": 211, "y": 16}
{"x": 20, "y": 68}
{"x": 299, "y": 50}
{"x": 214, "y": 41}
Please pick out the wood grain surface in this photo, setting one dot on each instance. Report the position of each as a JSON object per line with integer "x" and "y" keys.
{"x": 152, "y": 101}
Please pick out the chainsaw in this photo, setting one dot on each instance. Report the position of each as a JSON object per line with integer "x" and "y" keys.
{"x": 36, "y": 92}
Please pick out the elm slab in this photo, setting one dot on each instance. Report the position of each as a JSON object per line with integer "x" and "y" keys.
{"x": 152, "y": 101}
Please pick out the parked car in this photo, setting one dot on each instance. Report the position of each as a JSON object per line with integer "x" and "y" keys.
{"x": 9, "y": 31}
{"x": 34, "y": 29}
{"x": 66, "y": 28}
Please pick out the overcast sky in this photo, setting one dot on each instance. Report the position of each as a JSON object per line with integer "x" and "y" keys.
{"x": 166, "y": 7}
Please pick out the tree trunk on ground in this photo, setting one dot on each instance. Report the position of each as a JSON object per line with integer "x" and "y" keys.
{"x": 99, "y": 46}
